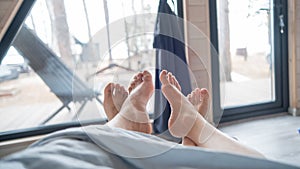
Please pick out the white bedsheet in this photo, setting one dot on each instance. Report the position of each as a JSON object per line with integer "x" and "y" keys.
{"x": 103, "y": 147}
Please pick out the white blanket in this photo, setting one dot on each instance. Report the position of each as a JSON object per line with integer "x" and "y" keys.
{"x": 103, "y": 147}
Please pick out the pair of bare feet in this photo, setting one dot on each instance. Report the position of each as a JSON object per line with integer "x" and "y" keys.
{"x": 127, "y": 109}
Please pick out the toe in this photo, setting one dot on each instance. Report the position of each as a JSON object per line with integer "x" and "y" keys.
{"x": 204, "y": 94}
{"x": 176, "y": 83}
{"x": 193, "y": 97}
{"x": 173, "y": 80}
{"x": 140, "y": 76}
{"x": 124, "y": 92}
{"x": 163, "y": 77}
{"x": 145, "y": 72}
{"x": 118, "y": 87}
{"x": 204, "y": 91}
{"x": 137, "y": 78}
{"x": 198, "y": 95}
{"x": 189, "y": 97}
{"x": 109, "y": 88}
{"x": 169, "y": 76}
{"x": 131, "y": 87}
{"x": 122, "y": 88}
{"x": 147, "y": 76}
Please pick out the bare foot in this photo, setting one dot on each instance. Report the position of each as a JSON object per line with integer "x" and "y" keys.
{"x": 114, "y": 97}
{"x": 173, "y": 81}
{"x": 186, "y": 121}
{"x": 200, "y": 99}
{"x": 133, "y": 115}
{"x": 183, "y": 115}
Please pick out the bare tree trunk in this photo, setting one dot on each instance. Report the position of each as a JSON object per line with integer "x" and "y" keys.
{"x": 60, "y": 30}
{"x": 135, "y": 27}
{"x": 87, "y": 19}
{"x": 224, "y": 38}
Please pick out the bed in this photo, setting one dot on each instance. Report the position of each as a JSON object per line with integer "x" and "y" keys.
{"x": 100, "y": 146}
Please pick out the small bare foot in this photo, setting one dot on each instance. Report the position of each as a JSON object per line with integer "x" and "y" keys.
{"x": 114, "y": 97}
{"x": 200, "y": 99}
{"x": 133, "y": 115}
{"x": 183, "y": 114}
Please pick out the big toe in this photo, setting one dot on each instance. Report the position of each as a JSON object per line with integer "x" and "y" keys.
{"x": 204, "y": 95}
{"x": 147, "y": 77}
{"x": 168, "y": 89}
{"x": 108, "y": 89}
{"x": 163, "y": 77}
{"x": 204, "y": 106}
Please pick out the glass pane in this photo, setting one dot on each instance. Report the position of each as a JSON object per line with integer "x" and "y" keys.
{"x": 75, "y": 32}
{"x": 246, "y": 55}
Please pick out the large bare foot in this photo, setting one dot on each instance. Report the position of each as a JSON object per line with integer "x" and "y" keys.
{"x": 114, "y": 97}
{"x": 185, "y": 121}
{"x": 199, "y": 99}
{"x": 133, "y": 115}
{"x": 173, "y": 81}
{"x": 183, "y": 115}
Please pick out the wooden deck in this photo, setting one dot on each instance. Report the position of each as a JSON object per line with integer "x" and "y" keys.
{"x": 34, "y": 102}
{"x": 247, "y": 92}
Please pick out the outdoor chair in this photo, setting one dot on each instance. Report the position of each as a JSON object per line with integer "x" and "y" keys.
{"x": 56, "y": 75}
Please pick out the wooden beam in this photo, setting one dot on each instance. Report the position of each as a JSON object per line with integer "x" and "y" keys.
{"x": 8, "y": 10}
{"x": 293, "y": 81}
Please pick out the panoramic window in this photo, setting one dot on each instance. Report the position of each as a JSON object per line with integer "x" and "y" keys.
{"x": 65, "y": 54}
{"x": 248, "y": 66}
{"x": 252, "y": 41}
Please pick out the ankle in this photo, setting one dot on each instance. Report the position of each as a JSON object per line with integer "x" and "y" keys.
{"x": 199, "y": 133}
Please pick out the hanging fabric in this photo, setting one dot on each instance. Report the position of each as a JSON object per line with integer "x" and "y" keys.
{"x": 170, "y": 55}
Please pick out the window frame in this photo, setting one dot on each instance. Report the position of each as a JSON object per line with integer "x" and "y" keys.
{"x": 8, "y": 38}
{"x": 281, "y": 70}
{"x": 14, "y": 27}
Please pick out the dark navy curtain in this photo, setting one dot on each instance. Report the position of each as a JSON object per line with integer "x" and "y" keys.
{"x": 170, "y": 55}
